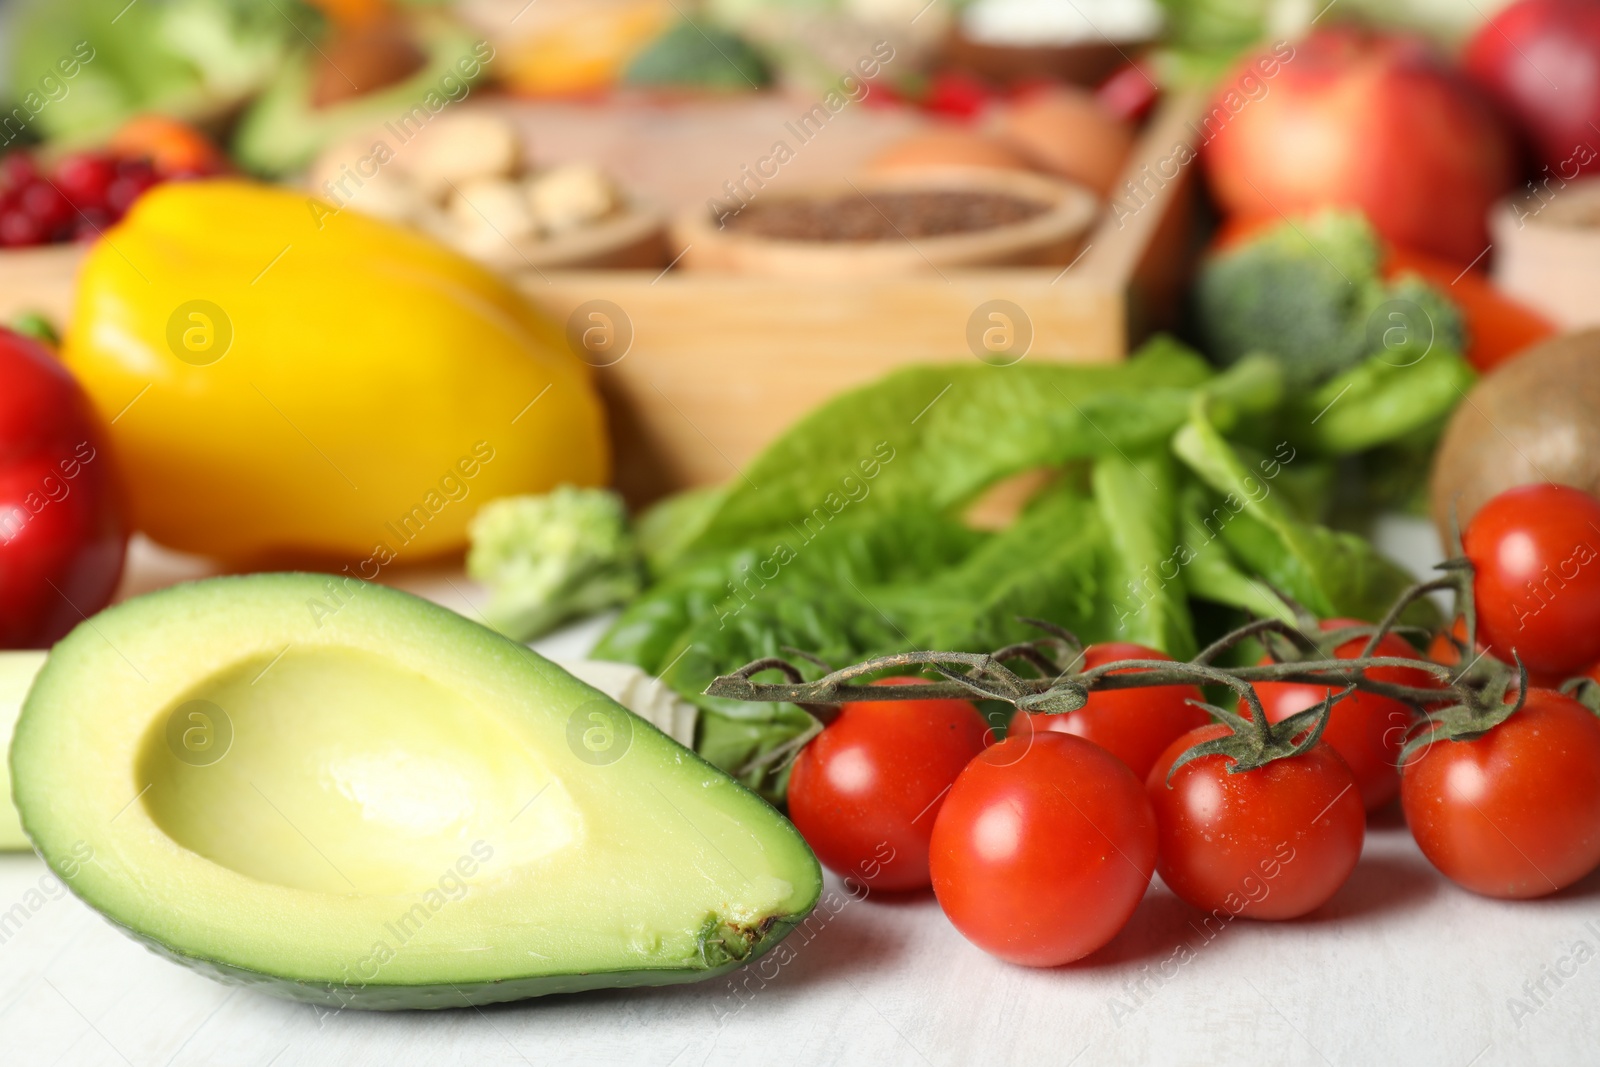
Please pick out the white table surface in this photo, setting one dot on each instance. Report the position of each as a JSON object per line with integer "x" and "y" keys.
{"x": 1401, "y": 967}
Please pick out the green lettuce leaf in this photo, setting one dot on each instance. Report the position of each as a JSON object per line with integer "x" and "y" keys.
{"x": 1145, "y": 585}
{"x": 936, "y": 436}
{"x": 1330, "y": 572}
{"x": 1384, "y": 398}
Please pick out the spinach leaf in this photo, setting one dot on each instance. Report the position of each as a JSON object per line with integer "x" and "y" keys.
{"x": 1047, "y": 565}
{"x": 670, "y": 525}
{"x": 1145, "y": 594}
{"x": 1386, "y": 397}
{"x": 1330, "y": 572}
{"x": 936, "y": 436}
{"x": 723, "y": 609}
{"x": 1210, "y": 571}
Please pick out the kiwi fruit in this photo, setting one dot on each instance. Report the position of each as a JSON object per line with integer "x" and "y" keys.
{"x": 1533, "y": 419}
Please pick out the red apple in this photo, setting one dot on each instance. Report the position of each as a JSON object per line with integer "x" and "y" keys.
{"x": 62, "y": 536}
{"x": 1351, "y": 118}
{"x": 1540, "y": 60}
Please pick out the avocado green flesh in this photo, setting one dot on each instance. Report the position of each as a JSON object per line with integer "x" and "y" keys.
{"x": 16, "y": 674}
{"x": 340, "y": 793}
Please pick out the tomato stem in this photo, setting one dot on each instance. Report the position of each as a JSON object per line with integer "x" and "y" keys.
{"x": 1465, "y": 703}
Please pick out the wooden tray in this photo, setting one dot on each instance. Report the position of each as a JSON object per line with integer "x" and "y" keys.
{"x": 712, "y": 367}
{"x": 703, "y": 370}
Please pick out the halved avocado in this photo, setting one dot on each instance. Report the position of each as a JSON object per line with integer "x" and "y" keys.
{"x": 285, "y": 129}
{"x": 17, "y": 670}
{"x": 341, "y": 793}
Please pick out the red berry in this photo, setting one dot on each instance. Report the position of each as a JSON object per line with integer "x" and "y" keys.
{"x": 44, "y": 202}
{"x": 84, "y": 178}
{"x": 122, "y": 192}
{"x": 17, "y": 169}
{"x": 135, "y": 167}
{"x": 18, "y": 229}
{"x": 91, "y": 223}
{"x": 958, "y": 94}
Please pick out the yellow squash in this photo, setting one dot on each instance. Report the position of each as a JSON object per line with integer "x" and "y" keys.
{"x": 285, "y": 380}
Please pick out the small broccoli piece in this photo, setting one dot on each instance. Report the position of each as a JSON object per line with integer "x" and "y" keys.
{"x": 1311, "y": 294}
{"x": 695, "y": 56}
{"x": 546, "y": 559}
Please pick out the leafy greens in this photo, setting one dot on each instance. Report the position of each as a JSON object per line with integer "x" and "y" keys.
{"x": 1169, "y": 483}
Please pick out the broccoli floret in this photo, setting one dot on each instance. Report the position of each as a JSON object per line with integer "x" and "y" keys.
{"x": 696, "y": 56}
{"x": 546, "y": 559}
{"x": 1310, "y": 293}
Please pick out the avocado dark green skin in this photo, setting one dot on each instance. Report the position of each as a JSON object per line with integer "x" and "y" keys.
{"x": 375, "y": 996}
{"x": 283, "y": 132}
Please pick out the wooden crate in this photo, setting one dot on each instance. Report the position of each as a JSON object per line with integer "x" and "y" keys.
{"x": 718, "y": 365}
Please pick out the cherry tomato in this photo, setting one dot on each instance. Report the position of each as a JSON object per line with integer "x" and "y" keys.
{"x": 1514, "y": 813}
{"x": 61, "y": 532}
{"x": 1443, "y": 650}
{"x": 1366, "y": 729}
{"x": 1134, "y": 725}
{"x": 1043, "y": 849}
{"x": 1536, "y": 551}
{"x": 1271, "y": 843}
{"x": 866, "y": 791}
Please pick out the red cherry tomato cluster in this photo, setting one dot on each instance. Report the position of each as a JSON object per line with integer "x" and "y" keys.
{"x": 1134, "y": 725}
{"x": 1040, "y": 847}
{"x": 1366, "y": 729}
{"x": 76, "y": 199}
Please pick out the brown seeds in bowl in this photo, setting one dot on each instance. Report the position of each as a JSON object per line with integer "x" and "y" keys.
{"x": 884, "y": 215}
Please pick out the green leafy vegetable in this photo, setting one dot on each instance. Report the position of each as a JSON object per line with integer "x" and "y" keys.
{"x": 1146, "y": 588}
{"x": 827, "y": 593}
{"x": 1331, "y": 572}
{"x": 550, "y": 558}
{"x": 670, "y": 525}
{"x": 1311, "y": 294}
{"x": 937, "y": 436}
{"x": 190, "y": 58}
{"x": 845, "y": 539}
{"x": 1204, "y": 37}
{"x": 1387, "y": 397}
{"x": 1210, "y": 571}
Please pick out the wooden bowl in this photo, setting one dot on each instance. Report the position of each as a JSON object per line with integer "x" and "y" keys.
{"x": 635, "y": 238}
{"x": 1049, "y": 238}
{"x": 1547, "y": 252}
{"x": 1087, "y": 63}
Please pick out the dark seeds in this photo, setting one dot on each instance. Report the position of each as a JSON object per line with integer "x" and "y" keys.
{"x": 883, "y": 216}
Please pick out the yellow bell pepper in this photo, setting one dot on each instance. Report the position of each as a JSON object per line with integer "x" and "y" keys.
{"x": 283, "y": 380}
